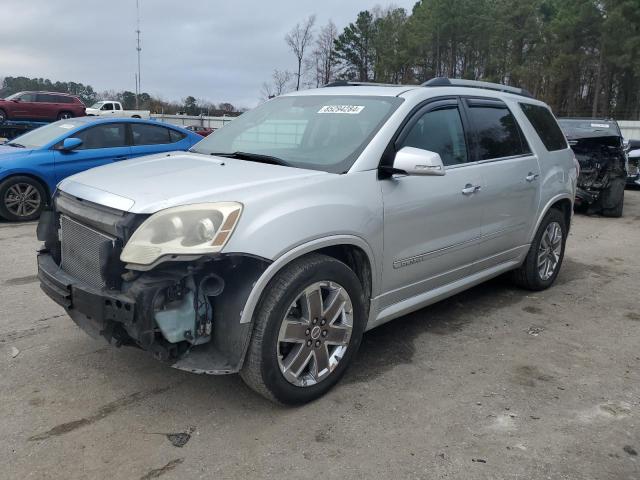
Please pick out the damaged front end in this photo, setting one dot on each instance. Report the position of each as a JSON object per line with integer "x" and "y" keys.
{"x": 185, "y": 311}
{"x": 602, "y": 168}
{"x": 599, "y": 149}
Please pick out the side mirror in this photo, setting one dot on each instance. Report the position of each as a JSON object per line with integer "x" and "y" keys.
{"x": 415, "y": 161}
{"x": 71, "y": 143}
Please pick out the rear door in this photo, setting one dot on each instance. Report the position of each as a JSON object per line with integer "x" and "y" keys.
{"x": 101, "y": 144}
{"x": 147, "y": 139}
{"x": 511, "y": 195}
{"x": 431, "y": 223}
{"x": 49, "y": 105}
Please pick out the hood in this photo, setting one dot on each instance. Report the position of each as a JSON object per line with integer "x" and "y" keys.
{"x": 91, "y": 110}
{"x": 7, "y": 152}
{"x": 152, "y": 183}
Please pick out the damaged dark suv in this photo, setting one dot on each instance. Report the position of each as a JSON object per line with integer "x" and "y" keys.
{"x": 599, "y": 149}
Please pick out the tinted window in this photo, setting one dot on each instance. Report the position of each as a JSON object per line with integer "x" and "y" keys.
{"x": 498, "y": 134}
{"x": 28, "y": 97}
{"x": 546, "y": 126}
{"x": 117, "y": 106}
{"x": 107, "y": 106}
{"x": 47, "y": 98}
{"x": 440, "y": 131}
{"x": 103, "y": 136}
{"x": 176, "y": 136}
{"x": 65, "y": 99}
{"x": 149, "y": 134}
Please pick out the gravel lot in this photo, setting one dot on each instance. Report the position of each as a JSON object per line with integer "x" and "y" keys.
{"x": 495, "y": 383}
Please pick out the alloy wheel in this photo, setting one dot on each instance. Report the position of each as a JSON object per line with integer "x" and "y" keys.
{"x": 549, "y": 251}
{"x": 315, "y": 333}
{"x": 22, "y": 199}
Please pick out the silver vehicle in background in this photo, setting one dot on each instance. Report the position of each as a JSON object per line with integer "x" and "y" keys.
{"x": 277, "y": 241}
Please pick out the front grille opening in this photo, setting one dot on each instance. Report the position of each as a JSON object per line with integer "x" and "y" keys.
{"x": 85, "y": 252}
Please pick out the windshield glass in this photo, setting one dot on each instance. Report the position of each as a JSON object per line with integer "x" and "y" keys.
{"x": 15, "y": 95}
{"x": 96, "y": 105}
{"x": 320, "y": 132}
{"x": 42, "y": 136}
{"x": 588, "y": 127}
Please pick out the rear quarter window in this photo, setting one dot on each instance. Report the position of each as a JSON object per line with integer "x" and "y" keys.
{"x": 545, "y": 125}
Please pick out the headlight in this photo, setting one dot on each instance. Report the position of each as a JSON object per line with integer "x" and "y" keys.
{"x": 188, "y": 230}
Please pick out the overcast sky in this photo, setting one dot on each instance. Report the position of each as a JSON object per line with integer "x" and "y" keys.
{"x": 220, "y": 50}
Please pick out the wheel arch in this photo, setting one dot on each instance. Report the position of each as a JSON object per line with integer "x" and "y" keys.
{"x": 38, "y": 179}
{"x": 564, "y": 203}
{"x": 351, "y": 250}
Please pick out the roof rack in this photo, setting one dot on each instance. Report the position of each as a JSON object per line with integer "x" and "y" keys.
{"x": 349, "y": 83}
{"x": 457, "y": 82}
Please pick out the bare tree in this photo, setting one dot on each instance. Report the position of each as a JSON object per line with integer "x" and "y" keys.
{"x": 280, "y": 80}
{"x": 323, "y": 60}
{"x": 298, "y": 39}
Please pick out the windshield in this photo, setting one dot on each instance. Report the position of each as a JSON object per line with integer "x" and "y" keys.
{"x": 320, "y": 132}
{"x": 96, "y": 105}
{"x": 42, "y": 136}
{"x": 589, "y": 128}
{"x": 15, "y": 95}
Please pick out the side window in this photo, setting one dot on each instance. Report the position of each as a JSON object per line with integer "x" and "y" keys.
{"x": 117, "y": 106}
{"x": 107, "y": 106}
{"x": 440, "y": 131}
{"x": 545, "y": 126}
{"x": 46, "y": 98}
{"x": 498, "y": 133}
{"x": 144, "y": 134}
{"x": 28, "y": 97}
{"x": 176, "y": 136}
{"x": 107, "y": 135}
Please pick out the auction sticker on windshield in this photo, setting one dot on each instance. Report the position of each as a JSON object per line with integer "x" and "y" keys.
{"x": 348, "y": 109}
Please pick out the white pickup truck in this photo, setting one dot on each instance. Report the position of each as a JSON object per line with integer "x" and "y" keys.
{"x": 112, "y": 108}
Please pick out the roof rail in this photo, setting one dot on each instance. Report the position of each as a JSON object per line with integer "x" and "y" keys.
{"x": 349, "y": 83}
{"x": 457, "y": 82}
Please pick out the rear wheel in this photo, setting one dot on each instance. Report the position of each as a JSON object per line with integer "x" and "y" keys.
{"x": 308, "y": 327}
{"x": 65, "y": 115}
{"x": 21, "y": 199}
{"x": 3, "y": 116}
{"x": 613, "y": 199}
{"x": 542, "y": 265}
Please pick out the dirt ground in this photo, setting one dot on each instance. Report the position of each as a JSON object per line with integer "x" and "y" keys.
{"x": 495, "y": 383}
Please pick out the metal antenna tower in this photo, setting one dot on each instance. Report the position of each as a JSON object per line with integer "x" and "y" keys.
{"x": 139, "y": 49}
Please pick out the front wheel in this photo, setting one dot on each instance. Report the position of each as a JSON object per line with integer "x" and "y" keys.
{"x": 308, "y": 326}
{"x": 613, "y": 198}
{"x": 21, "y": 199}
{"x": 542, "y": 264}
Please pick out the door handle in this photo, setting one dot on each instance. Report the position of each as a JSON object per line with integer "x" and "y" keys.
{"x": 471, "y": 189}
{"x": 532, "y": 177}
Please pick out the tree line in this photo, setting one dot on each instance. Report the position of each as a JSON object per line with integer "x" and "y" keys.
{"x": 580, "y": 56}
{"x": 189, "y": 105}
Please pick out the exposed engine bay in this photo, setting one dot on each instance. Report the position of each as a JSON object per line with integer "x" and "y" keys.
{"x": 598, "y": 147}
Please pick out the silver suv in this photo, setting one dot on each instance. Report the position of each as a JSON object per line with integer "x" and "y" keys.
{"x": 271, "y": 246}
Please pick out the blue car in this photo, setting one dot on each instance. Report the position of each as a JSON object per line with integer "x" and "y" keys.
{"x": 33, "y": 164}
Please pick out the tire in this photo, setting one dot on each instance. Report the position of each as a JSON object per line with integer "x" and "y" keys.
{"x": 21, "y": 189}
{"x": 613, "y": 199}
{"x": 64, "y": 115}
{"x": 3, "y": 116}
{"x": 529, "y": 274}
{"x": 265, "y": 369}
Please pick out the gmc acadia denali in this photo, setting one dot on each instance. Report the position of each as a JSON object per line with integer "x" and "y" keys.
{"x": 273, "y": 244}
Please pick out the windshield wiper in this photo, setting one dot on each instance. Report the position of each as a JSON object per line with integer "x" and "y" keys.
{"x": 253, "y": 157}
{"x": 17, "y": 145}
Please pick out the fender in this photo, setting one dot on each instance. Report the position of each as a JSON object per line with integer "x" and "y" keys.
{"x": 300, "y": 250}
{"x": 547, "y": 207}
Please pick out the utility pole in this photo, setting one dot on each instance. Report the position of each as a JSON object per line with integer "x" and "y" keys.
{"x": 139, "y": 49}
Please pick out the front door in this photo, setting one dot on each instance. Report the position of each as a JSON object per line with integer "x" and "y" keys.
{"x": 431, "y": 223}
{"x": 102, "y": 144}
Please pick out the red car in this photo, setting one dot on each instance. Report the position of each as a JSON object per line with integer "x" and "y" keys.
{"x": 202, "y": 131}
{"x": 40, "y": 106}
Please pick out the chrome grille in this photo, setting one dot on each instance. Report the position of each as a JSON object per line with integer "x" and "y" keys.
{"x": 84, "y": 251}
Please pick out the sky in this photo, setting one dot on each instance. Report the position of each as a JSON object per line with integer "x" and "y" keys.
{"x": 218, "y": 50}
